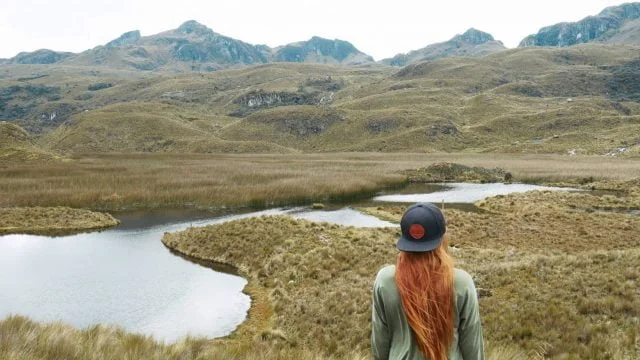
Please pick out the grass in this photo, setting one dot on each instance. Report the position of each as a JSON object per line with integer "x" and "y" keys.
{"x": 557, "y": 281}
{"x": 125, "y": 181}
{"x": 557, "y": 275}
{"x": 52, "y": 221}
{"x": 24, "y": 339}
{"x": 17, "y": 146}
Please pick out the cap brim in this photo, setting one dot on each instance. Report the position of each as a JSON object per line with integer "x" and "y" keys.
{"x": 405, "y": 244}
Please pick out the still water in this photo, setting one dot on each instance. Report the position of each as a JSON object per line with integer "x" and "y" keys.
{"x": 462, "y": 193}
{"x": 126, "y": 277}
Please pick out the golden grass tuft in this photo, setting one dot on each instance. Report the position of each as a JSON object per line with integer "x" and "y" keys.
{"x": 52, "y": 220}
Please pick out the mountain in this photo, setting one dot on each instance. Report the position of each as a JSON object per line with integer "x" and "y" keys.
{"x": 192, "y": 46}
{"x": 319, "y": 50}
{"x": 42, "y": 56}
{"x": 195, "y": 47}
{"x": 614, "y": 25}
{"x": 473, "y": 43}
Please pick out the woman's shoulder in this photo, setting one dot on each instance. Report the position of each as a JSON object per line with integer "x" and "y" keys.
{"x": 463, "y": 282}
{"x": 385, "y": 275}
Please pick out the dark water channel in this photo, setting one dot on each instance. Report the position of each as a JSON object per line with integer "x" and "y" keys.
{"x": 126, "y": 277}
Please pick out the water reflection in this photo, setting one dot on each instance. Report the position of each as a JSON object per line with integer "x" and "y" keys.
{"x": 118, "y": 277}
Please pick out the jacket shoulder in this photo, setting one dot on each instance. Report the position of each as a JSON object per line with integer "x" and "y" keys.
{"x": 385, "y": 275}
{"x": 462, "y": 281}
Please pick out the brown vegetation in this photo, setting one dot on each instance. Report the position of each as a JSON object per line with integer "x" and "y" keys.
{"x": 555, "y": 281}
{"x": 52, "y": 220}
{"x": 172, "y": 180}
{"x": 534, "y": 100}
{"x": 16, "y": 145}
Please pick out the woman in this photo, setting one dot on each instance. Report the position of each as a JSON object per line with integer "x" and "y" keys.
{"x": 423, "y": 308}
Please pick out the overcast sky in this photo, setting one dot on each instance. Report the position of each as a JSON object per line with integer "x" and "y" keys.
{"x": 378, "y": 28}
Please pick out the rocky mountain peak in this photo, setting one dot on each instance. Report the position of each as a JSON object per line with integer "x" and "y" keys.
{"x": 128, "y": 38}
{"x": 475, "y": 36}
{"x": 601, "y": 28}
{"x": 473, "y": 43}
{"x": 194, "y": 27}
{"x": 318, "y": 49}
{"x": 42, "y": 56}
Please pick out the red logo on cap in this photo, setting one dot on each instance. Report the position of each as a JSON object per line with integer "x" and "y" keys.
{"x": 416, "y": 231}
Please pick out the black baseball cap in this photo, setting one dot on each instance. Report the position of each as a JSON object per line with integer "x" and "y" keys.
{"x": 423, "y": 227}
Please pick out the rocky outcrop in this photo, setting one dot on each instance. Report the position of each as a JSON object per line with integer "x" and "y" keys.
{"x": 260, "y": 99}
{"x": 301, "y": 121}
{"x": 42, "y": 56}
{"x": 600, "y": 28}
{"x": 128, "y": 38}
{"x": 473, "y": 43}
{"x": 320, "y": 50}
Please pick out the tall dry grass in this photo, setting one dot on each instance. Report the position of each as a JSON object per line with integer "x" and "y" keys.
{"x": 113, "y": 182}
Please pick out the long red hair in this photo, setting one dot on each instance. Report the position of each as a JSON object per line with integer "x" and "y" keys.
{"x": 425, "y": 283}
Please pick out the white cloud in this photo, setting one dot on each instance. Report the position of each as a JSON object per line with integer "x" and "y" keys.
{"x": 380, "y": 29}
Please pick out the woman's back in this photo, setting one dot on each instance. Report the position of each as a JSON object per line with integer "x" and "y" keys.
{"x": 392, "y": 337}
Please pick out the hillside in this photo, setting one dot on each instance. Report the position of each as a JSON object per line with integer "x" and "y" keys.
{"x": 582, "y": 99}
{"x": 473, "y": 43}
{"x": 16, "y": 145}
{"x": 614, "y": 25}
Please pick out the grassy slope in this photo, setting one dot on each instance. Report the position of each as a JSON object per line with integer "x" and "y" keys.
{"x": 16, "y": 145}
{"x": 513, "y": 101}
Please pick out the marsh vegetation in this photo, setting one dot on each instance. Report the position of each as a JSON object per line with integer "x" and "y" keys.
{"x": 126, "y": 181}
{"x": 558, "y": 278}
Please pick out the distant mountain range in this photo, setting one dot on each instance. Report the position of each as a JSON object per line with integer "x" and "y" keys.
{"x": 195, "y": 47}
{"x": 473, "y": 43}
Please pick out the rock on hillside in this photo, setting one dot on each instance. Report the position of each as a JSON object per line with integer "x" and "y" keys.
{"x": 473, "y": 43}
{"x": 42, "y": 56}
{"x": 128, "y": 38}
{"x": 616, "y": 24}
{"x": 319, "y": 50}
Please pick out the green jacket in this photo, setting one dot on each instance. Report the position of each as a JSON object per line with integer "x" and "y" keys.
{"x": 392, "y": 337}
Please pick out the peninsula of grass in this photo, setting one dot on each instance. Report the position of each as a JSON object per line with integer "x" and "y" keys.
{"x": 52, "y": 220}
{"x": 556, "y": 282}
